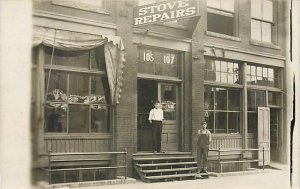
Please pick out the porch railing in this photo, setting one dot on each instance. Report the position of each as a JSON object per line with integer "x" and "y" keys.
{"x": 54, "y": 158}
{"x": 221, "y": 152}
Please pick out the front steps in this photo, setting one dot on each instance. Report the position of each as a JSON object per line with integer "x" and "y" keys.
{"x": 162, "y": 167}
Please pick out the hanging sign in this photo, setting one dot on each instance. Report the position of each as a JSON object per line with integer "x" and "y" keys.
{"x": 164, "y": 11}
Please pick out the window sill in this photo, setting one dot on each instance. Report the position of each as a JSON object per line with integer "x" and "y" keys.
{"x": 264, "y": 44}
{"x": 214, "y": 34}
{"x": 67, "y": 3}
{"x": 77, "y": 136}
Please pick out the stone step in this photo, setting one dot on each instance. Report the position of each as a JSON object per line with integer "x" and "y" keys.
{"x": 169, "y": 170}
{"x": 164, "y": 158}
{"x": 170, "y": 176}
{"x": 166, "y": 164}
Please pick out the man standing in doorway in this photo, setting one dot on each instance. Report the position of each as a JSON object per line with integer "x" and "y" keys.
{"x": 156, "y": 116}
{"x": 204, "y": 139}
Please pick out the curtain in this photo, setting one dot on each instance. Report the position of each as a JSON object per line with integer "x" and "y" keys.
{"x": 74, "y": 41}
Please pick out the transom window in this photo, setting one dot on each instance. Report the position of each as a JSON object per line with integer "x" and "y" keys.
{"x": 262, "y": 23}
{"x": 222, "y": 109}
{"x": 221, "y": 71}
{"x": 221, "y": 17}
{"x": 262, "y": 76}
{"x": 76, "y": 93}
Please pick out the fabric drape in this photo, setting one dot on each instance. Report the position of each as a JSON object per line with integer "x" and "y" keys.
{"x": 74, "y": 41}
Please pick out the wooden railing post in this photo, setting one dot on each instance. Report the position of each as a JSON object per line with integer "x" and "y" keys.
{"x": 49, "y": 166}
{"x": 263, "y": 158}
{"x": 125, "y": 163}
{"x": 219, "y": 159}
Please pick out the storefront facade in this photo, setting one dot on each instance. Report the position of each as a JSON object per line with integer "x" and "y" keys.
{"x": 97, "y": 77}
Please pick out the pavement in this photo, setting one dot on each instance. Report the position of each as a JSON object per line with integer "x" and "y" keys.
{"x": 269, "y": 179}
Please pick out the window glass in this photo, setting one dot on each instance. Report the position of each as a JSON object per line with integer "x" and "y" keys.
{"x": 274, "y": 99}
{"x": 99, "y": 118}
{"x": 209, "y": 98}
{"x": 221, "y": 99}
{"x": 256, "y": 9}
{"x": 260, "y": 98}
{"x": 98, "y": 59}
{"x": 210, "y": 121}
{"x": 256, "y": 30}
{"x": 251, "y": 100}
{"x": 220, "y": 23}
{"x": 57, "y": 89}
{"x": 252, "y": 122}
{"x": 233, "y": 122}
{"x": 267, "y": 10}
{"x": 55, "y": 117}
{"x": 78, "y": 88}
{"x": 267, "y": 32}
{"x": 221, "y": 122}
{"x": 78, "y": 119}
{"x": 234, "y": 100}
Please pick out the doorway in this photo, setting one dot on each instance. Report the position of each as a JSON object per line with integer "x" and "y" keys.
{"x": 167, "y": 93}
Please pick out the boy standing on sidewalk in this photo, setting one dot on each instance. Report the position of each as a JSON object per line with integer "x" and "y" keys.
{"x": 204, "y": 139}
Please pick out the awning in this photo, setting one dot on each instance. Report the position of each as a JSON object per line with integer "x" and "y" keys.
{"x": 71, "y": 41}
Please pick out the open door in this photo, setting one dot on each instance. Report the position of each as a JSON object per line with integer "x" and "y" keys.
{"x": 263, "y": 135}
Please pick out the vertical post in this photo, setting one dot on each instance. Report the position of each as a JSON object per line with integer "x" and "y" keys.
{"x": 263, "y": 158}
{"x": 125, "y": 163}
{"x": 49, "y": 166}
{"x": 219, "y": 159}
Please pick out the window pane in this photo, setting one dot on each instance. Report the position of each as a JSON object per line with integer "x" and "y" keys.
{"x": 57, "y": 89}
{"x": 218, "y": 65}
{"x": 55, "y": 117}
{"x": 221, "y": 122}
{"x": 234, "y": 100}
{"x": 214, "y": 3}
{"x": 210, "y": 121}
{"x": 256, "y": 30}
{"x": 270, "y": 72}
{"x": 220, "y": 23}
{"x": 265, "y": 72}
{"x": 267, "y": 10}
{"x": 231, "y": 78}
{"x": 98, "y": 91}
{"x": 256, "y": 9}
{"x": 98, "y": 59}
{"x": 251, "y": 100}
{"x": 223, "y": 66}
{"x": 209, "y": 64}
{"x": 233, "y": 122}
{"x": 227, "y": 5}
{"x": 252, "y": 122}
{"x": 78, "y": 119}
{"x": 230, "y": 67}
{"x": 266, "y": 28}
{"x": 168, "y": 101}
{"x": 221, "y": 99}
{"x": 259, "y": 71}
{"x": 67, "y": 58}
{"x": 224, "y": 77}
{"x": 253, "y": 70}
{"x": 260, "y": 98}
{"x": 78, "y": 88}
{"x": 218, "y": 76}
{"x": 208, "y": 98}
{"x": 99, "y": 118}
{"x": 274, "y": 98}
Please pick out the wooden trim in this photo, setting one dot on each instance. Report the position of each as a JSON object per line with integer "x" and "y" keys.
{"x": 241, "y": 50}
{"x": 77, "y": 136}
{"x": 158, "y": 77}
{"x": 227, "y": 85}
{"x": 224, "y": 135}
{"x": 80, "y": 20}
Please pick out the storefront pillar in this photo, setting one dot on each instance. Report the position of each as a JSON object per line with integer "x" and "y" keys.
{"x": 244, "y": 121}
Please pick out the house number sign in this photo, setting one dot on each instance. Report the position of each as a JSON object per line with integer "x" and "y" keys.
{"x": 158, "y": 57}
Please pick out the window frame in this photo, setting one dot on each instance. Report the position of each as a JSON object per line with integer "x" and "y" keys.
{"x": 79, "y": 4}
{"x": 261, "y": 21}
{"x": 89, "y": 72}
{"x": 227, "y": 111}
{"x": 222, "y": 12}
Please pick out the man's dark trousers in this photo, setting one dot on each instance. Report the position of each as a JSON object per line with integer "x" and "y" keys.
{"x": 156, "y": 135}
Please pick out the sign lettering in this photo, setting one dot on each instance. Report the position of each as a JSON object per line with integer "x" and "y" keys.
{"x": 165, "y": 11}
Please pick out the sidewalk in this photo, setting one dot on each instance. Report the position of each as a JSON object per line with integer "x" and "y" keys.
{"x": 269, "y": 179}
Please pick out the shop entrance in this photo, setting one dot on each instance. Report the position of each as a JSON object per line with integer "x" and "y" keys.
{"x": 274, "y": 133}
{"x": 148, "y": 92}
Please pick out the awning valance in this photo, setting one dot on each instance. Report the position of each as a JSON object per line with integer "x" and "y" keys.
{"x": 74, "y": 41}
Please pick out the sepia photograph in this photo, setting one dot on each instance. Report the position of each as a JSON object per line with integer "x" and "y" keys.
{"x": 149, "y": 94}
